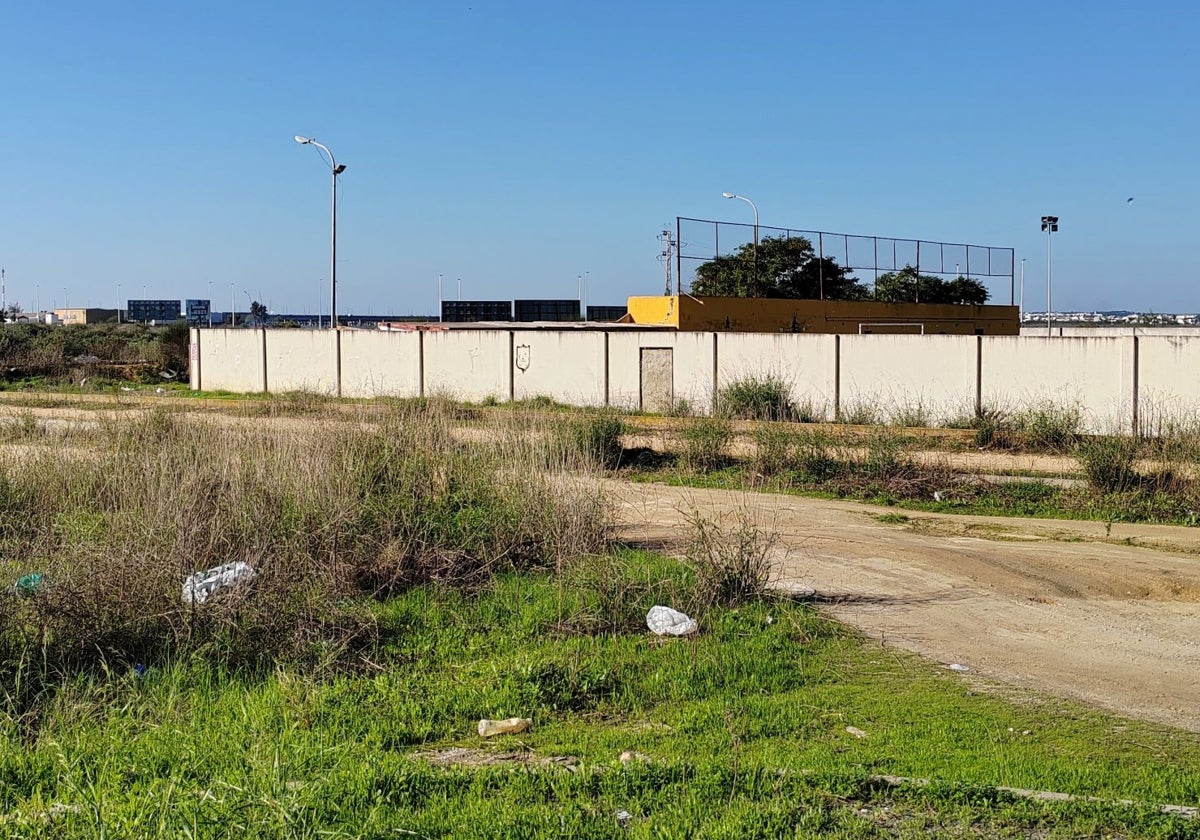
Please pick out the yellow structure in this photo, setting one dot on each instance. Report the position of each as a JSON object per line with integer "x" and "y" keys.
{"x": 722, "y": 314}
{"x": 85, "y": 316}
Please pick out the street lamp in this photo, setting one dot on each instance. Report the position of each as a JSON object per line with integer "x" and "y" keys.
{"x": 1021, "y": 311}
{"x": 754, "y": 288}
{"x": 1049, "y": 225}
{"x": 336, "y": 169}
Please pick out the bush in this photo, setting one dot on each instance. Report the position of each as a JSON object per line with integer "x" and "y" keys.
{"x": 774, "y": 450}
{"x": 731, "y": 567}
{"x": 1110, "y": 463}
{"x": 596, "y": 437}
{"x": 705, "y": 443}
{"x": 1051, "y": 428}
{"x": 757, "y": 398}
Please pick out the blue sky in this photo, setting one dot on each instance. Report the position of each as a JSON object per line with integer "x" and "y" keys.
{"x": 518, "y": 145}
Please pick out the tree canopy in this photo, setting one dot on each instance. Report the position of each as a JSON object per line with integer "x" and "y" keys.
{"x": 787, "y": 267}
{"x": 909, "y": 286}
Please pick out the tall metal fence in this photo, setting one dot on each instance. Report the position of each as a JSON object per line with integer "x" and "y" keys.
{"x": 701, "y": 240}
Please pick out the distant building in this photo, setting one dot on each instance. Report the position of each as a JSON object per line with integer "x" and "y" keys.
{"x": 459, "y": 311}
{"x": 197, "y": 312}
{"x": 606, "y": 313}
{"x": 85, "y": 316}
{"x": 158, "y": 311}
{"x": 546, "y": 310}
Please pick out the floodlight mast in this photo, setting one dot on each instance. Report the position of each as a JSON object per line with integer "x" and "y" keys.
{"x": 1049, "y": 226}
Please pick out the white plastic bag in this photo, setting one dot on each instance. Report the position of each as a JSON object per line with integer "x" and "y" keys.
{"x": 664, "y": 621}
{"x": 197, "y": 587}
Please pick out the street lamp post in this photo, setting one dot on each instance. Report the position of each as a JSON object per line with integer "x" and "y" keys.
{"x": 1049, "y": 225}
{"x": 336, "y": 169}
{"x": 754, "y": 288}
{"x": 1021, "y": 311}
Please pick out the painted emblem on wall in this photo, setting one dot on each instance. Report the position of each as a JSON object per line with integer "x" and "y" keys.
{"x": 522, "y": 357}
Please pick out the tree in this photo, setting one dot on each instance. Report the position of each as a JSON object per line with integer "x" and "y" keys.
{"x": 908, "y": 286}
{"x": 786, "y": 267}
{"x": 258, "y": 312}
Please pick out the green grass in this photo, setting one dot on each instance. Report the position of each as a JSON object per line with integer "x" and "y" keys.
{"x": 744, "y": 729}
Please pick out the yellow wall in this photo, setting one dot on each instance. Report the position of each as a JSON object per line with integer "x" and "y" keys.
{"x": 821, "y": 316}
{"x": 84, "y": 316}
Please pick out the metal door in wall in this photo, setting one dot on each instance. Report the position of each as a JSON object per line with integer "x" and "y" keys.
{"x": 658, "y": 379}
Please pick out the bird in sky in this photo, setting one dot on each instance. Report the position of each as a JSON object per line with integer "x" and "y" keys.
{"x": 1129, "y": 200}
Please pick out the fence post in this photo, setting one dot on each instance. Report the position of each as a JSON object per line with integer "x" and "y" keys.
{"x": 1134, "y": 430}
{"x": 607, "y": 401}
{"x": 837, "y": 376}
{"x": 263, "y": 344}
{"x": 716, "y": 394}
{"x": 978, "y": 376}
{"x": 421, "y": 363}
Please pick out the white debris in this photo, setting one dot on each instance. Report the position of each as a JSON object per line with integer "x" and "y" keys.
{"x": 198, "y": 587}
{"x": 511, "y": 726}
{"x": 664, "y": 621}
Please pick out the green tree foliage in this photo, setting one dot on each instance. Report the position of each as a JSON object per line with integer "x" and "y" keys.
{"x": 787, "y": 267}
{"x": 258, "y": 312}
{"x": 908, "y": 286}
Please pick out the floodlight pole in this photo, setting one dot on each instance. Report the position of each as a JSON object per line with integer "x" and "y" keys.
{"x": 754, "y": 290}
{"x": 1049, "y": 225}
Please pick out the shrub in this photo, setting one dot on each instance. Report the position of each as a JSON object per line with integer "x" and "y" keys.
{"x": 705, "y": 443}
{"x": 992, "y": 427}
{"x": 596, "y": 437}
{"x": 757, "y": 398}
{"x": 731, "y": 567}
{"x": 1110, "y": 463}
{"x": 774, "y": 450}
{"x": 1050, "y": 427}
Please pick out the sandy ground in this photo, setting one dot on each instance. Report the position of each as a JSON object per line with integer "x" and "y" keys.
{"x": 1094, "y": 618}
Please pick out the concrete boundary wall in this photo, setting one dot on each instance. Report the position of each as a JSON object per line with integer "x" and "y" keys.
{"x": 1115, "y": 383}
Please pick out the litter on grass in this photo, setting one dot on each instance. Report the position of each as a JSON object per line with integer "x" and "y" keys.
{"x": 199, "y": 587}
{"x": 664, "y": 621}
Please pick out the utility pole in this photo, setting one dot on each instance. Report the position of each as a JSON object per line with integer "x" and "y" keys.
{"x": 667, "y": 238}
{"x": 3, "y": 293}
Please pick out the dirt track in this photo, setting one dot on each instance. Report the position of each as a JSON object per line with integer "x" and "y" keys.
{"x": 1092, "y": 618}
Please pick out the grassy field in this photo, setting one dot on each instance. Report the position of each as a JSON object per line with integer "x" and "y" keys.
{"x": 738, "y": 732}
{"x": 410, "y": 584}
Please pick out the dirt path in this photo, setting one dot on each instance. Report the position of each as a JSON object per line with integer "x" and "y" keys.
{"x": 1094, "y": 618}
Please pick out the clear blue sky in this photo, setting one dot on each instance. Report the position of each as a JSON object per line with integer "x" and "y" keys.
{"x": 519, "y": 144}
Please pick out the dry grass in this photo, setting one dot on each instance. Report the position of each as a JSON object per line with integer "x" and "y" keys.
{"x": 325, "y": 512}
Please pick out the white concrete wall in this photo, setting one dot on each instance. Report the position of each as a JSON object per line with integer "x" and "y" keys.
{"x": 566, "y": 366}
{"x": 381, "y": 364}
{"x": 806, "y": 363}
{"x": 1094, "y": 375}
{"x": 469, "y": 365}
{"x": 1168, "y": 382}
{"x": 301, "y": 360}
{"x": 692, "y": 361}
{"x": 909, "y": 376}
{"x": 230, "y": 360}
{"x": 887, "y": 372}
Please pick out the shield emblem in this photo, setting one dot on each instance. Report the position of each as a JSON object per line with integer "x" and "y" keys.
{"x": 522, "y": 360}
